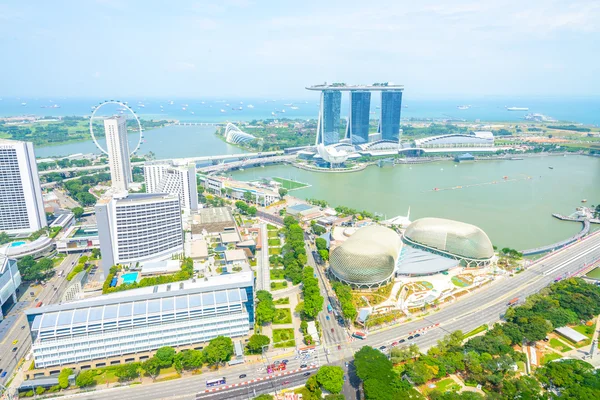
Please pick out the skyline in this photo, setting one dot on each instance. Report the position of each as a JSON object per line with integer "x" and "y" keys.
{"x": 242, "y": 48}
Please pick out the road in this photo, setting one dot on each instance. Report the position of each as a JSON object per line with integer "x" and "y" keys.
{"x": 263, "y": 277}
{"x": 484, "y": 306}
{"x": 8, "y": 358}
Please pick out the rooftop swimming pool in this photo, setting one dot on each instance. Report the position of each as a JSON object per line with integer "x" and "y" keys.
{"x": 129, "y": 277}
{"x": 17, "y": 244}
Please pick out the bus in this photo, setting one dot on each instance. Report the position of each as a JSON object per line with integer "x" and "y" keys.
{"x": 215, "y": 382}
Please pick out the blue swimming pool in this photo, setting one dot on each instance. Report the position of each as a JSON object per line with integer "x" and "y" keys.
{"x": 129, "y": 277}
{"x": 17, "y": 244}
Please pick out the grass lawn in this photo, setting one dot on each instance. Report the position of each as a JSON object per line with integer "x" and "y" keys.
{"x": 277, "y": 274}
{"x": 274, "y": 251}
{"x": 445, "y": 385}
{"x": 279, "y": 285}
{"x": 282, "y": 316}
{"x": 272, "y": 227}
{"x": 521, "y": 366}
{"x": 550, "y": 357}
{"x": 459, "y": 282}
{"x": 475, "y": 331}
{"x": 290, "y": 184}
{"x": 107, "y": 376}
{"x": 585, "y": 330}
{"x": 284, "y": 337}
{"x": 283, "y": 300}
{"x": 272, "y": 234}
{"x": 595, "y": 273}
{"x": 559, "y": 345}
{"x": 274, "y": 242}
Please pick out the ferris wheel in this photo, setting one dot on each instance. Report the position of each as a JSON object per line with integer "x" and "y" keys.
{"x": 124, "y": 107}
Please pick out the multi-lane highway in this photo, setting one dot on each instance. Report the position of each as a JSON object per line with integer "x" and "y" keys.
{"x": 484, "y": 306}
{"x": 18, "y": 334}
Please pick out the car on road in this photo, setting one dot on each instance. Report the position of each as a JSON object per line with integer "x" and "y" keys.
{"x": 394, "y": 344}
{"x": 14, "y": 349}
{"x": 277, "y": 362}
{"x": 3, "y": 374}
{"x": 346, "y": 363}
{"x": 339, "y": 346}
{"x": 22, "y": 327}
{"x": 285, "y": 361}
{"x": 332, "y": 330}
{"x": 303, "y": 366}
{"x": 242, "y": 376}
{"x": 410, "y": 338}
{"x": 15, "y": 341}
{"x": 401, "y": 341}
{"x": 286, "y": 382}
{"x": 382, "y": 347}
{"x": 306, "y": 373}
{"x": 417, "y": 335}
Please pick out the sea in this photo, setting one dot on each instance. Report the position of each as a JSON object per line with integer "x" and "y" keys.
{"x": 576, "y": 110}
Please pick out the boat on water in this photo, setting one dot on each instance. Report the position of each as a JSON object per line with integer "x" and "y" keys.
{"x": 23, "y": 104}
{"x": 222, "y": 110}
{"x": 584, "y": 201}
{"x": 183, "y": 108}
{"x": 516, "y": 158}
{"x": 240, "y": 108}
{"x": 517, "y": 108}
{"x": 294, "y": 108}
{"x": 551, "y": 167}
{"x": 288, "y": 104}
{"x": 250, "y": 106}
{"x": 463, "y": 107}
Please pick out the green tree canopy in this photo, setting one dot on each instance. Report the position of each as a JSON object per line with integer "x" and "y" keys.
{"x": 165, "y": 356}
{"x": 256, "y": 343}
{"x": 219, "y": 349}
{"x": 331, "y": 378}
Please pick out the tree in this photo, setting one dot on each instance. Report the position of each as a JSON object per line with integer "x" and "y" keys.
{"x": 152, "y": 367}
{"x": 63, "y": 377}
{"x": 4, "y": 238}
{"x": 401, "y": 354}
{"x": 77, "y": 212}
{"x": 331, "y": 378}
{"x": 265, "y": 308}
{"x": 312, "y": 385}
{"x": 188, "y": 359}
{"x": 219, "y": 349}
{"x": 313, "y": 301}
{"x": 282, "y": 192}
{"x": 165, "y": 356}
{"x": 321, "y": 244}
{"x": 256, "y": 343}
{"x": 242, "y": 206}
{"x": 248, "y": 196}
{"x": 86, "y": 378}
{"x": 252, "y": 211}
{"x": 127, "y": 372}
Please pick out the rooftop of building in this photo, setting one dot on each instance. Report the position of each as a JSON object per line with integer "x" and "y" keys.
{"x": 194, "y": 286}
{"x": 344, "y": 87}
{"x": 235, "y": 255}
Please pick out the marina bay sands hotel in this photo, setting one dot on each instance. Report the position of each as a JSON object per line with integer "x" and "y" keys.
{"x": 357, "y": 128}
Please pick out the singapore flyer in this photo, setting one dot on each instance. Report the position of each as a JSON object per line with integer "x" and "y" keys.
{"x": 122, "y": 108}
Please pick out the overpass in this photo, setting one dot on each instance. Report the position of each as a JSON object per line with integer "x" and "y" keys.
{"x": 554, "y": 246}
{"x": 252, "y": 162}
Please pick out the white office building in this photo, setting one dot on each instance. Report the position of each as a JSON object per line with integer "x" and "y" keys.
{"x": 115, "y": 129}
{"x": 177, "y": 180}
{"x": 138, "y": 227}
{"x": 120, "y": 327}
{"x": 10, "y": 279}
{"x": 21, "y": 202}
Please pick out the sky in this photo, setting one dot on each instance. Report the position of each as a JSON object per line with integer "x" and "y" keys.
{"x": 245, "y": 48}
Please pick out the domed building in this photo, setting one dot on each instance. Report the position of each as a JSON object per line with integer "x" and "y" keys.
{"x": 367, "y": 258}
{"x": 457, "y": 240}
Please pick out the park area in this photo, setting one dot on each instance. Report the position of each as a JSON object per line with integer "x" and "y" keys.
{"x": 283, "y": 338}
{"x": 282, "y": 316}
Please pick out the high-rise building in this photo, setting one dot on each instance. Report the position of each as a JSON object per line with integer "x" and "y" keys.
{"x": 118, "y": 152}
{"x": 138, "y": 227}
{"x": 128, "y": 326}
{"x": 10, "y": 279}
{"x": 328, "y": 130}
{"x": 165, "y": 177}
{"x": 391, "y": 107}
{"x": 21, "y": 203}
{"x": 358, "y": 125}
{"x": 358, "y": 122}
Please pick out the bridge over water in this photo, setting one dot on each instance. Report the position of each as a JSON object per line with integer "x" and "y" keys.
{"x": 555, "y": 246}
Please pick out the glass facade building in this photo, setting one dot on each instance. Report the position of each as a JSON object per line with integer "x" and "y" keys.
{"x": 138, "y": 320}
{"x": 360, "y": 105}
{"x": 391, "y": 107}
{"x": 329, "y": 127}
